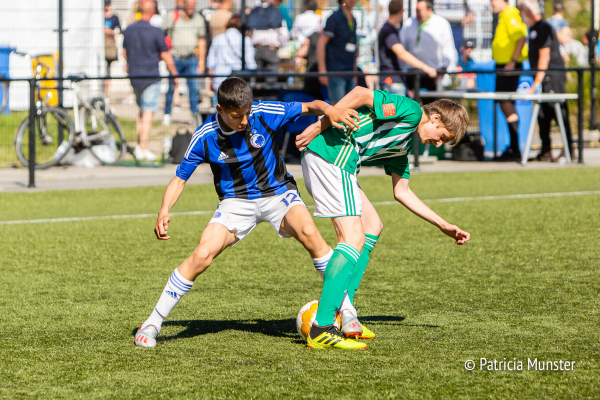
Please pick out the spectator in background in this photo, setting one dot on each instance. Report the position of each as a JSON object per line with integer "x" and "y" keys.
{"x": 509, "y": 51}
{"x": 391, "y": 52}
{"x": 586, "y": 40}
{"x": 285, "y": 14}
{"x": 308, "y": 51}
{"x": 337, "y": 50}
{"x": 208, "y": 12}
{"x": 457, "y": 13}
{"x": 575, "y": 50}
{"x": 112, "y": 27}
{"x": 558, "y": 21}
{"x": 429, "y": 38}
{"x": 306, "y": 23}
{"x": 187, "y": 31}
{"x": 144, "y": 47}
{"x": 157, "y": 19}
{"x": 544, "y": 53}
{"x": 220, "y": 18}
{"x": 268, "y": 32}
{"x": 465, "y": 54}
{"x": 225, "y": 54}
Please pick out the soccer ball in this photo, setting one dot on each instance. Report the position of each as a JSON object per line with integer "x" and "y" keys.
{"x": 307, "y": 315}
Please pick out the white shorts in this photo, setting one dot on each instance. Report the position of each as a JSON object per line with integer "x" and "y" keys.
{"x": 243, "y": 215}
{"x": 335, "y": 191}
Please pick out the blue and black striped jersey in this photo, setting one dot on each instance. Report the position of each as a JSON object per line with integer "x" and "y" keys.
{"x": 245, "y": 164}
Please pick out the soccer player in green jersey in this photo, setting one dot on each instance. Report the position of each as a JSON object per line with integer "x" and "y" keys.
{"x": 331, "y": 160}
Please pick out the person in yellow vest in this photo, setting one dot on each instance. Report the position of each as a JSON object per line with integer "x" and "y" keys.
{"x": 509, "y": 50}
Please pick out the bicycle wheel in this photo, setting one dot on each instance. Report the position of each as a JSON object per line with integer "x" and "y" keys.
{"x": 53, "y": 138}
{"x": 105, "y": 136}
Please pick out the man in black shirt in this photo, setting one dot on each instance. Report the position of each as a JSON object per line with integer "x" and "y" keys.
{"x": 543, "y": 54}
{"x": 391, "y": 52}
{"x": 144, "y": 47}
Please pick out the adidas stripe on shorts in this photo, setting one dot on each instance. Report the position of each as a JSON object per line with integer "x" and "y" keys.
{"x": 334, "y": 190}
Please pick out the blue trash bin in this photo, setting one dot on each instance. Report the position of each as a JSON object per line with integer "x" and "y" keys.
{"x": 487, "y": 83}
{"x": 4, "y": 57}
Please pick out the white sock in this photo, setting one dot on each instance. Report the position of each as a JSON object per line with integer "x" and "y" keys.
{"x": 176, "y": 288}
{"x": 321, "y": 263}
{"x": 346, "y": 305}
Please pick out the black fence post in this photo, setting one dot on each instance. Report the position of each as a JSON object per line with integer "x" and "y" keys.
{"x": 32, "y": 115}
{"x": 244, "y": 27}
{"x": 416, "y": 139}
{"x": 580, "y": 115}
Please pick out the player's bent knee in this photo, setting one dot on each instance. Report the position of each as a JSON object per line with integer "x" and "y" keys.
{"x": 310, "y": 232}
{"x": 373, "y": 227}
{"x": 379, "y": 229}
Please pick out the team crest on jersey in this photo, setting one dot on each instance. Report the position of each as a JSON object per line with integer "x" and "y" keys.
{"x": 389, "y": 110}
{"x": 217, "y": 215}
{"x": 257, "y": 140}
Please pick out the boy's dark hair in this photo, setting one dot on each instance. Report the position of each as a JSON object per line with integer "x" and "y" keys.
{"x": 234, "y": 93}
{"x": 429, "y": 3}
{"x": 310, "y": 5}
{"x": 453, "y": 116}
{"x": 234, "y": 22}
{"x": 558, "y": 7}
{"x": 395, "y": 7}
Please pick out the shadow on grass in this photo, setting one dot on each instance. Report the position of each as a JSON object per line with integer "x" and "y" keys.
{"x": 391, "y": 320}
{"x": 277, "y": 327}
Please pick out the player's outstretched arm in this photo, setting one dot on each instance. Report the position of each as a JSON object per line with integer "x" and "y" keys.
{"x": 408, "y": 199}
{"x": 357, "y": 97}
{"x": 337, "y": 115}
{"x": 172, "y": 193}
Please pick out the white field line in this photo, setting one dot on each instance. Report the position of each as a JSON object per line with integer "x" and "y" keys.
{"x": 53, "y": 220}
{"x": 381, "y": 203}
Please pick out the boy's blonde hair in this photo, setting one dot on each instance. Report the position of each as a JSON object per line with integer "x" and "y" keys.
{"x": 453, "y": 117}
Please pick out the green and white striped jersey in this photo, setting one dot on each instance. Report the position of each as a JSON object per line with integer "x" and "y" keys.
{"x": 384, "y": 137}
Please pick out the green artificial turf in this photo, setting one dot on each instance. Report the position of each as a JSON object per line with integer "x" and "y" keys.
{"x": 526, "y": 286}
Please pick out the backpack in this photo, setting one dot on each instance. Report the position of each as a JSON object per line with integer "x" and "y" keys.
{"x": 181, "y": 142}
{"x": 470, "y": 148}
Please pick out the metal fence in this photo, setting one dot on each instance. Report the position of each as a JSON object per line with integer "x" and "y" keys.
{"x": 126, "y": 110}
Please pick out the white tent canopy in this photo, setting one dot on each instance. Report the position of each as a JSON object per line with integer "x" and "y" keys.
{"x": 30, "y": 27}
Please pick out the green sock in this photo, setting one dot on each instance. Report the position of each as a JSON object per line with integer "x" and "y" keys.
{"x": 361, "y": 265}
{"x": 337, "y": 278}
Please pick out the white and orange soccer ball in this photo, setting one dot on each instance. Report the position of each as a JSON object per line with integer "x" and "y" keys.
{"x": 307, "y": 315}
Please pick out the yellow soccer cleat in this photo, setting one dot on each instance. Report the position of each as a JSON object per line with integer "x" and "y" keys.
{"x": 366, "y": 333}
{"x": 330, "y": 337}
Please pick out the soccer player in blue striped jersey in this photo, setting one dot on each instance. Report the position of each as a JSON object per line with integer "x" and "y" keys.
{"x": 253, "y": 185}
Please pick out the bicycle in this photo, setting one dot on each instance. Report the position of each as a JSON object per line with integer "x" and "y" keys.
{"x": 96, "y": 127}
{"x": 54, "y": 129}
{"x": 93, "y": 126}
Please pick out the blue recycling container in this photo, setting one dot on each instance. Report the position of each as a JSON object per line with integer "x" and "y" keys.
{"x": 4, "y": 57}
{"x": 487, "y": 83}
